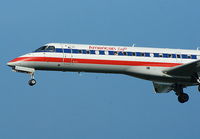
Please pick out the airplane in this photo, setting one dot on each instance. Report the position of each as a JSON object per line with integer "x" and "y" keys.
{"x": 168, "y": 69}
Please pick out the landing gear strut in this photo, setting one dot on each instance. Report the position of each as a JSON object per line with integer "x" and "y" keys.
{"x": 32, "y": 82}
{"x": 199, "y": 88}
{"x": 182, "y": 97}
{"x": 196, "y": 78}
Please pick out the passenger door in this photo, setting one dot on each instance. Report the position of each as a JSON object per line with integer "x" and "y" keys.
{"x": 67, "y": 58}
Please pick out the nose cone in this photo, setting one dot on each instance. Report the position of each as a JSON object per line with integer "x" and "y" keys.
{"x": 11, "y": 64}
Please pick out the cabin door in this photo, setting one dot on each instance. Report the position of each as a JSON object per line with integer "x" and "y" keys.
{"x": 67, "y": 57}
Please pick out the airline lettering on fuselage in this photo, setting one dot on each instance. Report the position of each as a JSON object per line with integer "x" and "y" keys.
{"x": 107, "y": 48}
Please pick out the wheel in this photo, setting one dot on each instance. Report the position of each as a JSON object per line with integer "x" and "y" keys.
{"x": 182, "y": 98}
{"x": 32, "y": 82}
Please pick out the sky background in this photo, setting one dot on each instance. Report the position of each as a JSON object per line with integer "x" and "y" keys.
{"x": 94, "y": 106}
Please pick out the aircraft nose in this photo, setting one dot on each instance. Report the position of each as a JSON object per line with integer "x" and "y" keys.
{"x": 11, "y": 64}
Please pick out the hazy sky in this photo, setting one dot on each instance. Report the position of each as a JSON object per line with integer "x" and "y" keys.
{"x": 94, "y": 106}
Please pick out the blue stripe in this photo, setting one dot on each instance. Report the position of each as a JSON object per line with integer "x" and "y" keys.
{"x": 59, "y": 50}
{"x": 102, "y": 52}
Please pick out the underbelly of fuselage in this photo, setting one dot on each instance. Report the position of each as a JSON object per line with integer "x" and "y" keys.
{"x": 148, "y": 73}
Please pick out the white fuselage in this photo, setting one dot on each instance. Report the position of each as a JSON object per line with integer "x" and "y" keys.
{"x": 145, "y": 63}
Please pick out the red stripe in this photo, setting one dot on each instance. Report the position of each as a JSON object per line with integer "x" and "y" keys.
{"x": 37, "y": 59}
{"x": 95, "y": 61}
{"x": 125, "y": 63}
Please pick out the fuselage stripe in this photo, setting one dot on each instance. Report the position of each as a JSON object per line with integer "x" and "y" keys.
{"x": 96, "y": 61}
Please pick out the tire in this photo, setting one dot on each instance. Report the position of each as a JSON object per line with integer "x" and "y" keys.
{"x": 199, "y": 88}
{"x": 182, "y": 98}
{"x": 32, "y": 82}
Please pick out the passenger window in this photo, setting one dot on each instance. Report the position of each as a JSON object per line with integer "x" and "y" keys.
{"x": 184, "y": 56}
{"x": 142, "y": 54}
{"x": 75, "y": 51}
{"x": 111, "y": 52}
{"x": 92, "y": 51}
{"x": 165, "y": 55}
{"x": 160, "y": 55}
{"x": 138, "y": 54}
{"x": 80, "y": 51}
{"x": 178, "y": 56}
{"x": 147, "y": 54}
{"x": 189, "y": 56}
{"x": 156, "y": 55}
{"x": 84, "y": 51}
{"x": 101, "y": 52}
{"x": 50, "y": 49}
{"x": 194, "y": 56}
{"x": 67, "y": 50}
{"x": 173, "y": 55}
{"x": 115, "y": 53}
{"x": 120, "y": 53}
{"x": 170, "y": 55}
{"x": 130, "y": 53}
{"x": 87, "y": 52}
{"x": 125, "y": 53}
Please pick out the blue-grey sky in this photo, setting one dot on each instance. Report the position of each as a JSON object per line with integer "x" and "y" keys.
{"x": 94, "y": 106}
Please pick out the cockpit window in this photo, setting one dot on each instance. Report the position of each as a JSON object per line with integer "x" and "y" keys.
{"x": 46, "y": 49}
{"x": 41, "y": 49}
{"x": 50, "y": 49}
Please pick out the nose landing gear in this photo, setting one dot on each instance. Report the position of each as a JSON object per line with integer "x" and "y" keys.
{"x": 32, "y": 82}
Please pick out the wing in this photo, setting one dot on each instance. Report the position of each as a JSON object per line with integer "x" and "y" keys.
{"x": 162, "y": 87}
{"x": 187, "y": 69}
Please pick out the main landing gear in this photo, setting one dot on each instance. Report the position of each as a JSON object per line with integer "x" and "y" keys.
{"x": 32, "y": 82}
{"x": 182, "y": 97}
{"x": 199, "y": 88}
{"x": 197, "y": 78}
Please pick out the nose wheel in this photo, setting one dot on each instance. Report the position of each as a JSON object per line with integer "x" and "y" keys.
{"x": 32, "y": 82}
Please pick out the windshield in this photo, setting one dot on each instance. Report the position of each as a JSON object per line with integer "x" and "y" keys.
{"x": 45, "y": 49}
{"x": 41, "y": 49}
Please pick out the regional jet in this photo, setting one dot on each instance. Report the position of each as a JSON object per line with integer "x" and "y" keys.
{"x": 168, "y": 69}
